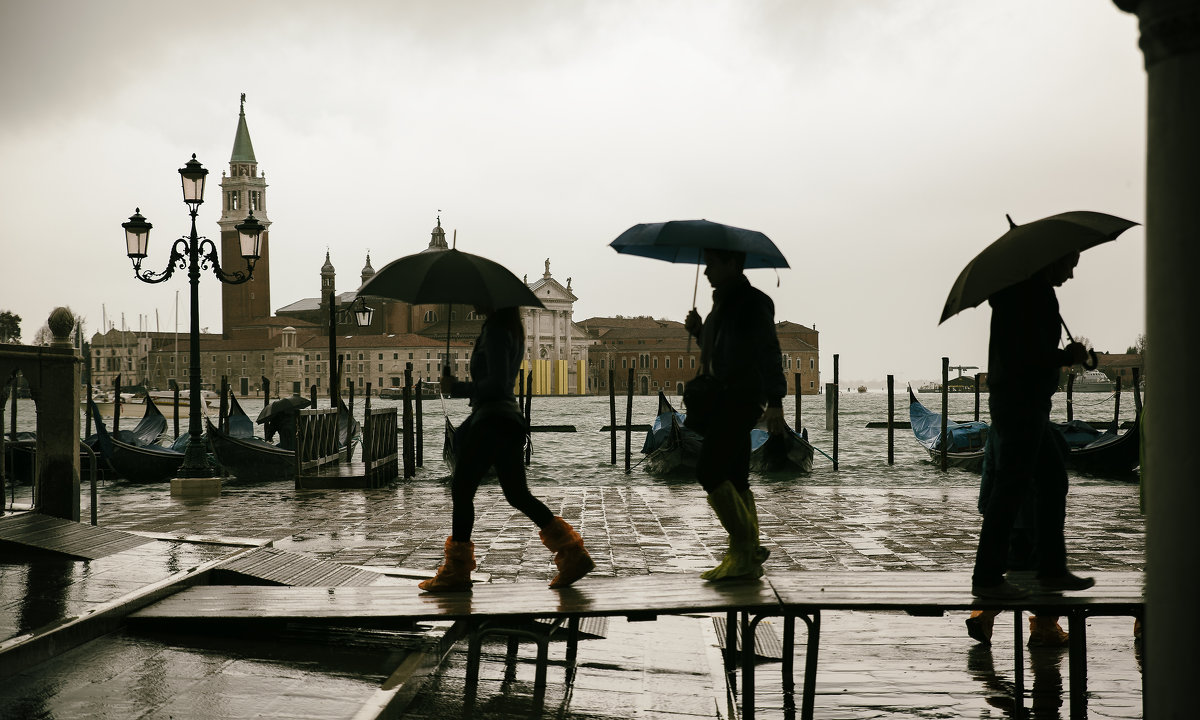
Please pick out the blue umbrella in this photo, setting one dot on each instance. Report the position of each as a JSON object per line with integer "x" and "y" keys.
{"x": 684, "y": 241}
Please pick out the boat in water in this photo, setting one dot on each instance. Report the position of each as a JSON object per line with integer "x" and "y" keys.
{"x": 965, "y": 439}
{"x": 1093, "y": 381}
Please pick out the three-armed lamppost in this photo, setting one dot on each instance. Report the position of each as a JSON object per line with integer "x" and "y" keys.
{"x": 192, "y": 253}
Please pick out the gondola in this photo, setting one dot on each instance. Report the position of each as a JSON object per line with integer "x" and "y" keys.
{"x": 134, "y": 455}
{"x": 1102, "y": 453}
{"x": 1088, "y": 450}
{"x": 252, "y": 459}
{"x": 780, "y": 453}
{"x": 670, "y": 446}
{"x": 967, "y": 439}
{"x": 448, "y": 447}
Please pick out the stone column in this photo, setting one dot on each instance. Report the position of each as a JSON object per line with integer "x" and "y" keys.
{"x": 1170, "y": 42}
{"x": 54, "y": 385}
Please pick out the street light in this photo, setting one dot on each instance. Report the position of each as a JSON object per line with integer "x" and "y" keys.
{"x": 192, "y": 253}
{"x": 362, "y": 317}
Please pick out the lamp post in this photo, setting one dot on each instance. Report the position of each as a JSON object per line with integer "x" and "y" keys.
{"x": 362, "y": 317}
{"x": 192, "y": 253}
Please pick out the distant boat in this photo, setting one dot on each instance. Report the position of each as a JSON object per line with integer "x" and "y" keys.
{"x": 929, "y": 387}
{"x": 862, "y": 388}
{"x": 1093, "y": 381}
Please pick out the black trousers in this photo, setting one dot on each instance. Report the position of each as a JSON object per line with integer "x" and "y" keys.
{"x": 494, "y": 442}
{"x": 1028, "y": 460}
{"x": 725, "y": 452}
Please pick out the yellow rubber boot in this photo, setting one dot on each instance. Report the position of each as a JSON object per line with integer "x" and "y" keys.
{"x": 760, "y": 553}
{"x": 570, "y": 557}
{"x": 455, "y": 574}
{"x": 1046, "y": 632}
{"x": 739, "y": 561}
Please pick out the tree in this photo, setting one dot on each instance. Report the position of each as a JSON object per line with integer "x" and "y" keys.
{"x": 1140, "y": 347}
{"x": 10, "y": 327}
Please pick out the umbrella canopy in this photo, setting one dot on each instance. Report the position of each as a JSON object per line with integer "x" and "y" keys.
{"x": 283, "y": 406}
{"x": 450, "y": 276}
{"x": 1025, "y": 249}
{"x": 684, "y": 241}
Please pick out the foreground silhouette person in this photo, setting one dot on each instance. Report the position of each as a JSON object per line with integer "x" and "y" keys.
{"x": 739, "y": 349}
{"x": 1023, "y": 370}
{"x": 494, "y": 435}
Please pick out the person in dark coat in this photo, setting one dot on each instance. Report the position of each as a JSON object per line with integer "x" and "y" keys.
{"x": 493, "y": 435}
{"x": 740, "y": 350}
{"x": 1024, "y": 363}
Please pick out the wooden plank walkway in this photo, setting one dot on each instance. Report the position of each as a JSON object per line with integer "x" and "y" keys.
{"x": 292, "y": 569}
{"x": 797, "y": 594}
{"x": 45, "y": 533}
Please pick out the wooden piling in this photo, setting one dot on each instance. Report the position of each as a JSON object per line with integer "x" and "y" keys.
{"x": 976, "y": 397}
{"x": 409, "y": 464}
{"x": 945, "y": 406}
{"x": 628, "y": 421}
{"x": 799, "y": 418}
{"x": 612, "y": 416}
{"x": 1117, "y": 406}
{"x": 1137, "y": 393}
{"x": 836, "y": 408}
{"x": 312, "y": 394}
{"x": 223, "y": 406}
{"x": 175, "y": 389}
{"x": 1070, "y": 390}
{"x": 87, "y": 417}
{"x": 891, "y": 386}
{"x": 420, "y": 420}
{"x": 116, "y": 405}
{"x": 266, "y": 389}
{"x": 529, "y": 418}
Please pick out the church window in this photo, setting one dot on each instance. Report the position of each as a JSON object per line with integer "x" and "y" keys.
{"x": 231, "y": 202}
{"x": 255, "y": 200}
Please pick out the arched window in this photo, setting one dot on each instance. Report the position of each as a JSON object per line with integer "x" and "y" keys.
{"x": 431, "y": 316}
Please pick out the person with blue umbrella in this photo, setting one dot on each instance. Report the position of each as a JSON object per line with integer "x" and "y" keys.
{"x": 741, "y": 370}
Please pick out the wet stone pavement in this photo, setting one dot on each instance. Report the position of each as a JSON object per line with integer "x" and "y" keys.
{"x": 872, "y": 664}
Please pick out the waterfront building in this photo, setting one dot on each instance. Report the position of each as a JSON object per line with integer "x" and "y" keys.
{"x": 663, "y": 358}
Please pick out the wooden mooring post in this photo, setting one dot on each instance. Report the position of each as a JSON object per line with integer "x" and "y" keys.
{"x": 945, "y": 406}
{"x": 891, "y": 384}
{"x": 1117, "y": 407}
{"x": 529, "y": 418}
{"x": 1070, "y": 392}
{"x": 612, "y": 416}
{"x": 174, "y": 389}
{"x": 799, "y": 418}
{"x": 628, "y": 420}
{"x": 409, "y": 461}
{"x": 116, "y": 406}
{"x": 1137, "y": 394}
{"x": 976, "y": 397}
{"x": 420, "y": 421}
{"x": 837, "y": 400}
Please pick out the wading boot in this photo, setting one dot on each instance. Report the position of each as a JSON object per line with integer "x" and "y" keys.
{"x": 1045, "y": 632}
{"x": 455, "y": 574}
{"x": 979, "y": 625}
{"x": 570, "y": 557}
{"x": 739, "y": 561}
{"x": 760, "y": 553}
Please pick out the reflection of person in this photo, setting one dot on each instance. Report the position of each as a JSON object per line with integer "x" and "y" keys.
{"x": 494, "y": 435}
{"x": 739, "y": 348}
{"x": 1023, "y": 368}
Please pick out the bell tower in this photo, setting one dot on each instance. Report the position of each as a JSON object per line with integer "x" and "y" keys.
{"x": 244, "y": 190}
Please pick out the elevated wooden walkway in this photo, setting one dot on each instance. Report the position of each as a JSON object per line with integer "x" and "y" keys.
{"x": 37, "y": 532}
{"x": 789, "y": 595}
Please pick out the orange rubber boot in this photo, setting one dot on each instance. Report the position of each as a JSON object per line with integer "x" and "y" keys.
{"x": 455, "y": 574}
{"x": 570, "y": 557}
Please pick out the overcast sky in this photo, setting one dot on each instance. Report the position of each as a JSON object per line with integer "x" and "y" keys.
{"x": 878, "y": 143}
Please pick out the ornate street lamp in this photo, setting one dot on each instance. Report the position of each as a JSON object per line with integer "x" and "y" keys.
{"x": 362, "y": 317}
{"x": 192, "y": 253}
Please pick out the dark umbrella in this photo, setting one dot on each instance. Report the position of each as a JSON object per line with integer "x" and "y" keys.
{"x": 450, "y": 276}
{"x": 684, "y": 241}
{"x": 1025, "y": 249}
{"x": 282, "y": 406}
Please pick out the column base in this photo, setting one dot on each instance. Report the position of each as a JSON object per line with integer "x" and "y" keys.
{"x": 196, "y": 487}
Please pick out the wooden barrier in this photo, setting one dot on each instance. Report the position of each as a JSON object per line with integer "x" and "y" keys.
{"x": 380, "y": 449}
{"x": 316, "y": 441}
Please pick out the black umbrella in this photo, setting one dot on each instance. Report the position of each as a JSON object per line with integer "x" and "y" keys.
{"x": 282, "y": 406}
{"x": 684, "y": 241}
{"x": 450, "y": 276}
{"x": 1026, "y": 249}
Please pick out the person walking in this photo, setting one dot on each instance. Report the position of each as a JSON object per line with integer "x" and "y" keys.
{"x": 493, "y": 435}
{"x": 740, "y": 351}
{"x": 1023, "y": 371}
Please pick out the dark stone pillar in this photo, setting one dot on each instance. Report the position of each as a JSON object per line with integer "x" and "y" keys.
{"x": 1170, "y": 42}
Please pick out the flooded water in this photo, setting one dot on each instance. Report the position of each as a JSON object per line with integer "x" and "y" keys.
{"x": 584, "y": 456}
